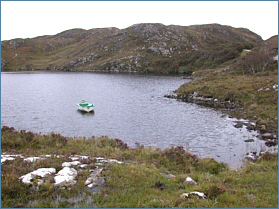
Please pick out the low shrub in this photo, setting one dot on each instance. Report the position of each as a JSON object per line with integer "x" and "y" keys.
{"x": 209, "y": 165}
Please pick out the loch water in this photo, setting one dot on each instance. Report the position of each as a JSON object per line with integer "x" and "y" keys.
{"x": 130, "y": 107}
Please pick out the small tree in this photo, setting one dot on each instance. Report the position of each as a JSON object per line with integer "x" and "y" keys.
{"x": 175, "y": 67}
{"x": 257, "y": 61}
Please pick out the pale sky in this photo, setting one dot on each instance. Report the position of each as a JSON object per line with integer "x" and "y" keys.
{"x": 29, "y": 19}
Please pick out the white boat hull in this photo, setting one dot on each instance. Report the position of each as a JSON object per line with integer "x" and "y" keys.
{"x": 86, "y": 109}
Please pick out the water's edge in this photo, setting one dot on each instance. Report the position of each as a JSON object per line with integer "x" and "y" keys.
{"x": 129, "y": 106}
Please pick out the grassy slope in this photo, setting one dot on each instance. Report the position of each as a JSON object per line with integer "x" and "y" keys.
{"x": 243, "y": 90}
{"x": 133, "y": 184}
{"x": 216, "y": 45}
{"x": 235, "y": 81}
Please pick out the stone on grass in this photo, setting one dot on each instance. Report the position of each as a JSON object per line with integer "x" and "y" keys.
{"x": 9, "y": 157}
{"x": 98, "y": 181}
{"x": 74, "y": 158}
{"x": 84, "y": 157}
{"x": 95, "y": 181}
{"x": 83, "y": 166}
{"x": 93, "y": 177}
{"x": 41, "y": 172}
{"x": 65, "y": 176}
{"x": 189, "y": 180}
{"x": 99, "y": 158}
{"x": 193, "y": 194}
{"x": 26, "y": 179}
{"x": 111, "y": 161}
{"x": 69, "y": 164}
{"x": 169, "y": 176}
{"x": 45, "y": 155}
{"x": 33, "y": 159}
{"x": 3, "y": 159}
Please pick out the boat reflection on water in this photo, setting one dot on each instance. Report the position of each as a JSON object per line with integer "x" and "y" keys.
{"x": 86, "y": 113}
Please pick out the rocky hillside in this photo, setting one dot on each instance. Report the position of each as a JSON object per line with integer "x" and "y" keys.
{"x": 247, "y": 85}
{"x": 140, "y": 47}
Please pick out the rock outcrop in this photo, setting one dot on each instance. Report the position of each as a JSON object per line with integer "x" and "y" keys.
{"x": 138, "y": 48}
{"x": 66, "y": 177}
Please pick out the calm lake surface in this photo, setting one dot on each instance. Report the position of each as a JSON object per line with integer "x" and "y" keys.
{"x": 131, "y": 107}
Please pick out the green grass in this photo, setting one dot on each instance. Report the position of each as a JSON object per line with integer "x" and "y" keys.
{"x": 243, "y": 90}
{"x": 133, "y": 184}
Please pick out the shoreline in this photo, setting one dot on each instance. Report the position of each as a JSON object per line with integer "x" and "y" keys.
{"x": 245, "y": 156}
{"x": 56, "y": 171}
{"x": 232, "y": 110}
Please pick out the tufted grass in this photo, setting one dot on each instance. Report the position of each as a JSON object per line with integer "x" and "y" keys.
{"x": 133, "y": 184}
{"x": 254, "y": 93}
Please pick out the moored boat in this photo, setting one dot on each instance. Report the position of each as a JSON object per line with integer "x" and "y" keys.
{"x": 85, "y": 106}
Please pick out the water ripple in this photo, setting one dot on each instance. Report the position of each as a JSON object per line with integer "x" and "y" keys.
{"x": 129, "y": 107}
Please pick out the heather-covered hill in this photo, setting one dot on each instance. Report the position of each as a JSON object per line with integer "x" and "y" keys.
{"x": 247, "y": 85}
{"x": 140, "y": 47}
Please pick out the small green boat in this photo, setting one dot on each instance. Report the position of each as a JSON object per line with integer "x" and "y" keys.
{"x": 85, "y": 106}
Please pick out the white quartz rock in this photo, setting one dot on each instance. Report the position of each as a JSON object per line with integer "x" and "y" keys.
{"x": 65, "y": 176}
{"x": 69, "y": 164}
{"x": 197, "y": 194}
{"x": 41, "y": 172}
{"x": 189, "y": 180}
{"x": 33, "y": 159}
{"x": 3, "y": 159}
